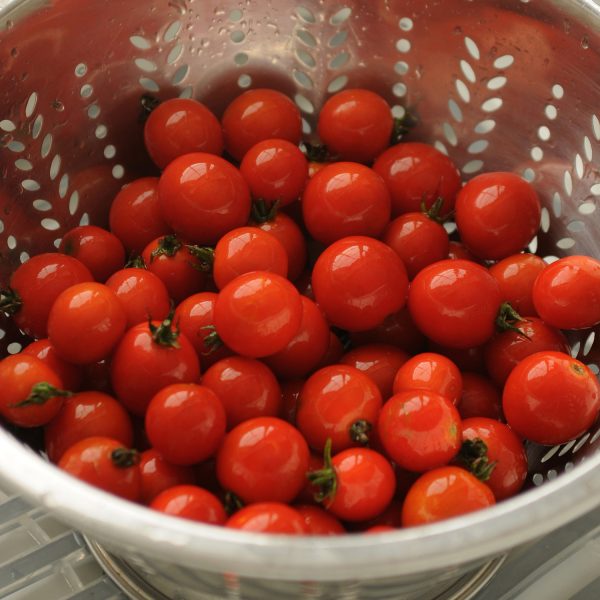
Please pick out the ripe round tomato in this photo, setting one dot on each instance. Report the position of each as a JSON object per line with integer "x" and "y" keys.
{"x": 417, "y": 173}
{"x": 338, "y": 403}
{"x": 268, "y": 517}
{"x": 566, "y": 293}
{"x": 246, "y": 249}
{"x": 318, "y": 521}
{"x": 343, "y": 199}
{"x": 85, "y": 323}
{"x": 420, "y": 430}
{"x": 455, "y": 303}
{"x": 480, "y": 397}
{"x": 70, "y": 375}
{"x": 202, "y": 197}
{"x": 263, "y": 460}
{"x": 258, "y": 115}
{"x": 135, "y": 216}
{"x": 190, "y": 502}
{"x": 355, "y": 124}
{"x": 275, "y": 171}
{"x": 497, "y": 214}
{"x": 359, "y": 281}
{"x": 444, "y": 493}
{"x": 84, "y": 415}
{"x": 258, "y": 314}
{"x": 179, "y": 126}
{"x": 106, "y": 464}
{"x": 158, "y": 475}
{"x": 246, "y": 387}
{"x": 31, "y": 391}
{"x": 551, "y": 398}
{"x": 35, "y": 285}
{"x": 458, "y": 250}
{"x": 430, "y": 371}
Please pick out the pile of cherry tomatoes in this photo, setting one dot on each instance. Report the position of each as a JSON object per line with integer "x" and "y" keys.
{"x": 283, "y": 338}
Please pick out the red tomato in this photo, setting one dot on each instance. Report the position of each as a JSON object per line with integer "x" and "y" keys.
{"x": 275, "y": 171}
{"x": 85, "y": 323}
{"x": 258, "y": 115}
{"x": 444, "y": 493}
{"x": 343, "y": 199}
{"x": 380, "y": 362}
{"x": 190, "y": 502}
{"x": 202, "y": 197}
{"x": 338, "y": 403}
{"x": 455, "y": 303}
{"x": 507, "y": 348}
{"x": 179, "y": 126}
{"x": 258, "y": 314}
{"x": 430, "y": 371}
{"x": 497, "y": 214}
{"x": 149, "y": 357}
{"x": 358, "y": 282}
{"x": 35, "y": 285}
{"x": 268, "y": 517}
{"x": 142, "y": 294}
{"x": 318, "y": 521}
{"x": 135, "y": 216}
{"x": 157, "y": 475}
{"x": 334, "y": 352}
{"x": 420, "y": 430}
{"x": 458, "y": 250}
{"x": 466, "y": 359}
{"x": 503, "y": 452}
{"x": 246, "y": 387}
{"x": 31, "y": 391}
{"x": 355, "y": 124}
{"x": 246, "y": 249}
{"x": 83, "y": 415}
{"x": 566, "y": 293}
{"x": 417, "y": 173}
{"x": 551, "y": 398}
{"x": 306, "y": 349}
{"x": 106, "y": 464}
{"x": 70, "y": 375}
{"x": 480, "y": 397}
{"x": 516, "y": 275}
{"x": 263, "y": 460}
{"x": 98, "y": 249}
{"x": 290, "y": 397}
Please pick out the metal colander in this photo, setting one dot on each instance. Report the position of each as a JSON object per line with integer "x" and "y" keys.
{"x": 498, "y": 85}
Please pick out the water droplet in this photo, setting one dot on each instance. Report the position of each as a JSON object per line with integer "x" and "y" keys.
{"x": 5, "y": 140}
{"x": 58, "y": 105}
{"x": 585, "y": 42}
{"x": 457, "y": 30}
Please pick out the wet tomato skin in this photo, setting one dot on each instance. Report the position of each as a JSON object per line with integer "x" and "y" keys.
{"x": 268, "y": 517}
{"x": 190, "y": 502}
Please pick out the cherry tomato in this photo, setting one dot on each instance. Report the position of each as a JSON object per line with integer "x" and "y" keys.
{"x": 275, "y": 170}
{"x": 444, "y": 493}
{"x": 318, "y": 521}
{"x": 202, "y": 197}
{"x": 85, "y": 323}
{"x": 190, "y": 502}
{"x": 338, "y": 403}
{"x": 516, "y": 275}
{"x": 258, "y": 314}
{"x": 263, "y": 460}
{"x": 258, "y": 115}
{"x": 290, "y": 398}
{"x": 380, "y": 362}
{"x": 480, "y": 397}
{"x": 507, "y": 348}
{"x": 31, "y": 391}
{"x": 455, "y": 303}
{"x": 158, "y": 475}
{"x": 268, "y": 517}
{"x": 430, "y": 371}
{"x": 358, "y": 282}
{"x": 551, "y": 398}
{"x": 355, "y": 124}
{"x": 98, "y": 249}
{"x": 497, "y": 214}
{"x": 343, "y": 199}
{"x": 334, "y": 352}
{"x": 83, "y": 415}
{"x": 566, "y": 293}
{"x": 35, "y": 285}
{"x": 70, "y": 375}
{"x": 459, "y": 250}
{"x": 149, "y": 357}
{"x": 135, "y": 216}
{"x": 106, "y": 464}
{"x": 246, "y": 387}
{"x": 246, "y": 249}
{"x": 504, "y": 455}
{"x": 420, "y": 430}
{"x": 417, "y": 173}
{"x": 179, "y": 126}
{"x": 306, "y": 349}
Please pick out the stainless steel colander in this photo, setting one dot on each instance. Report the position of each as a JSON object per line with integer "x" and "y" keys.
{"x": 498, "y": 85}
